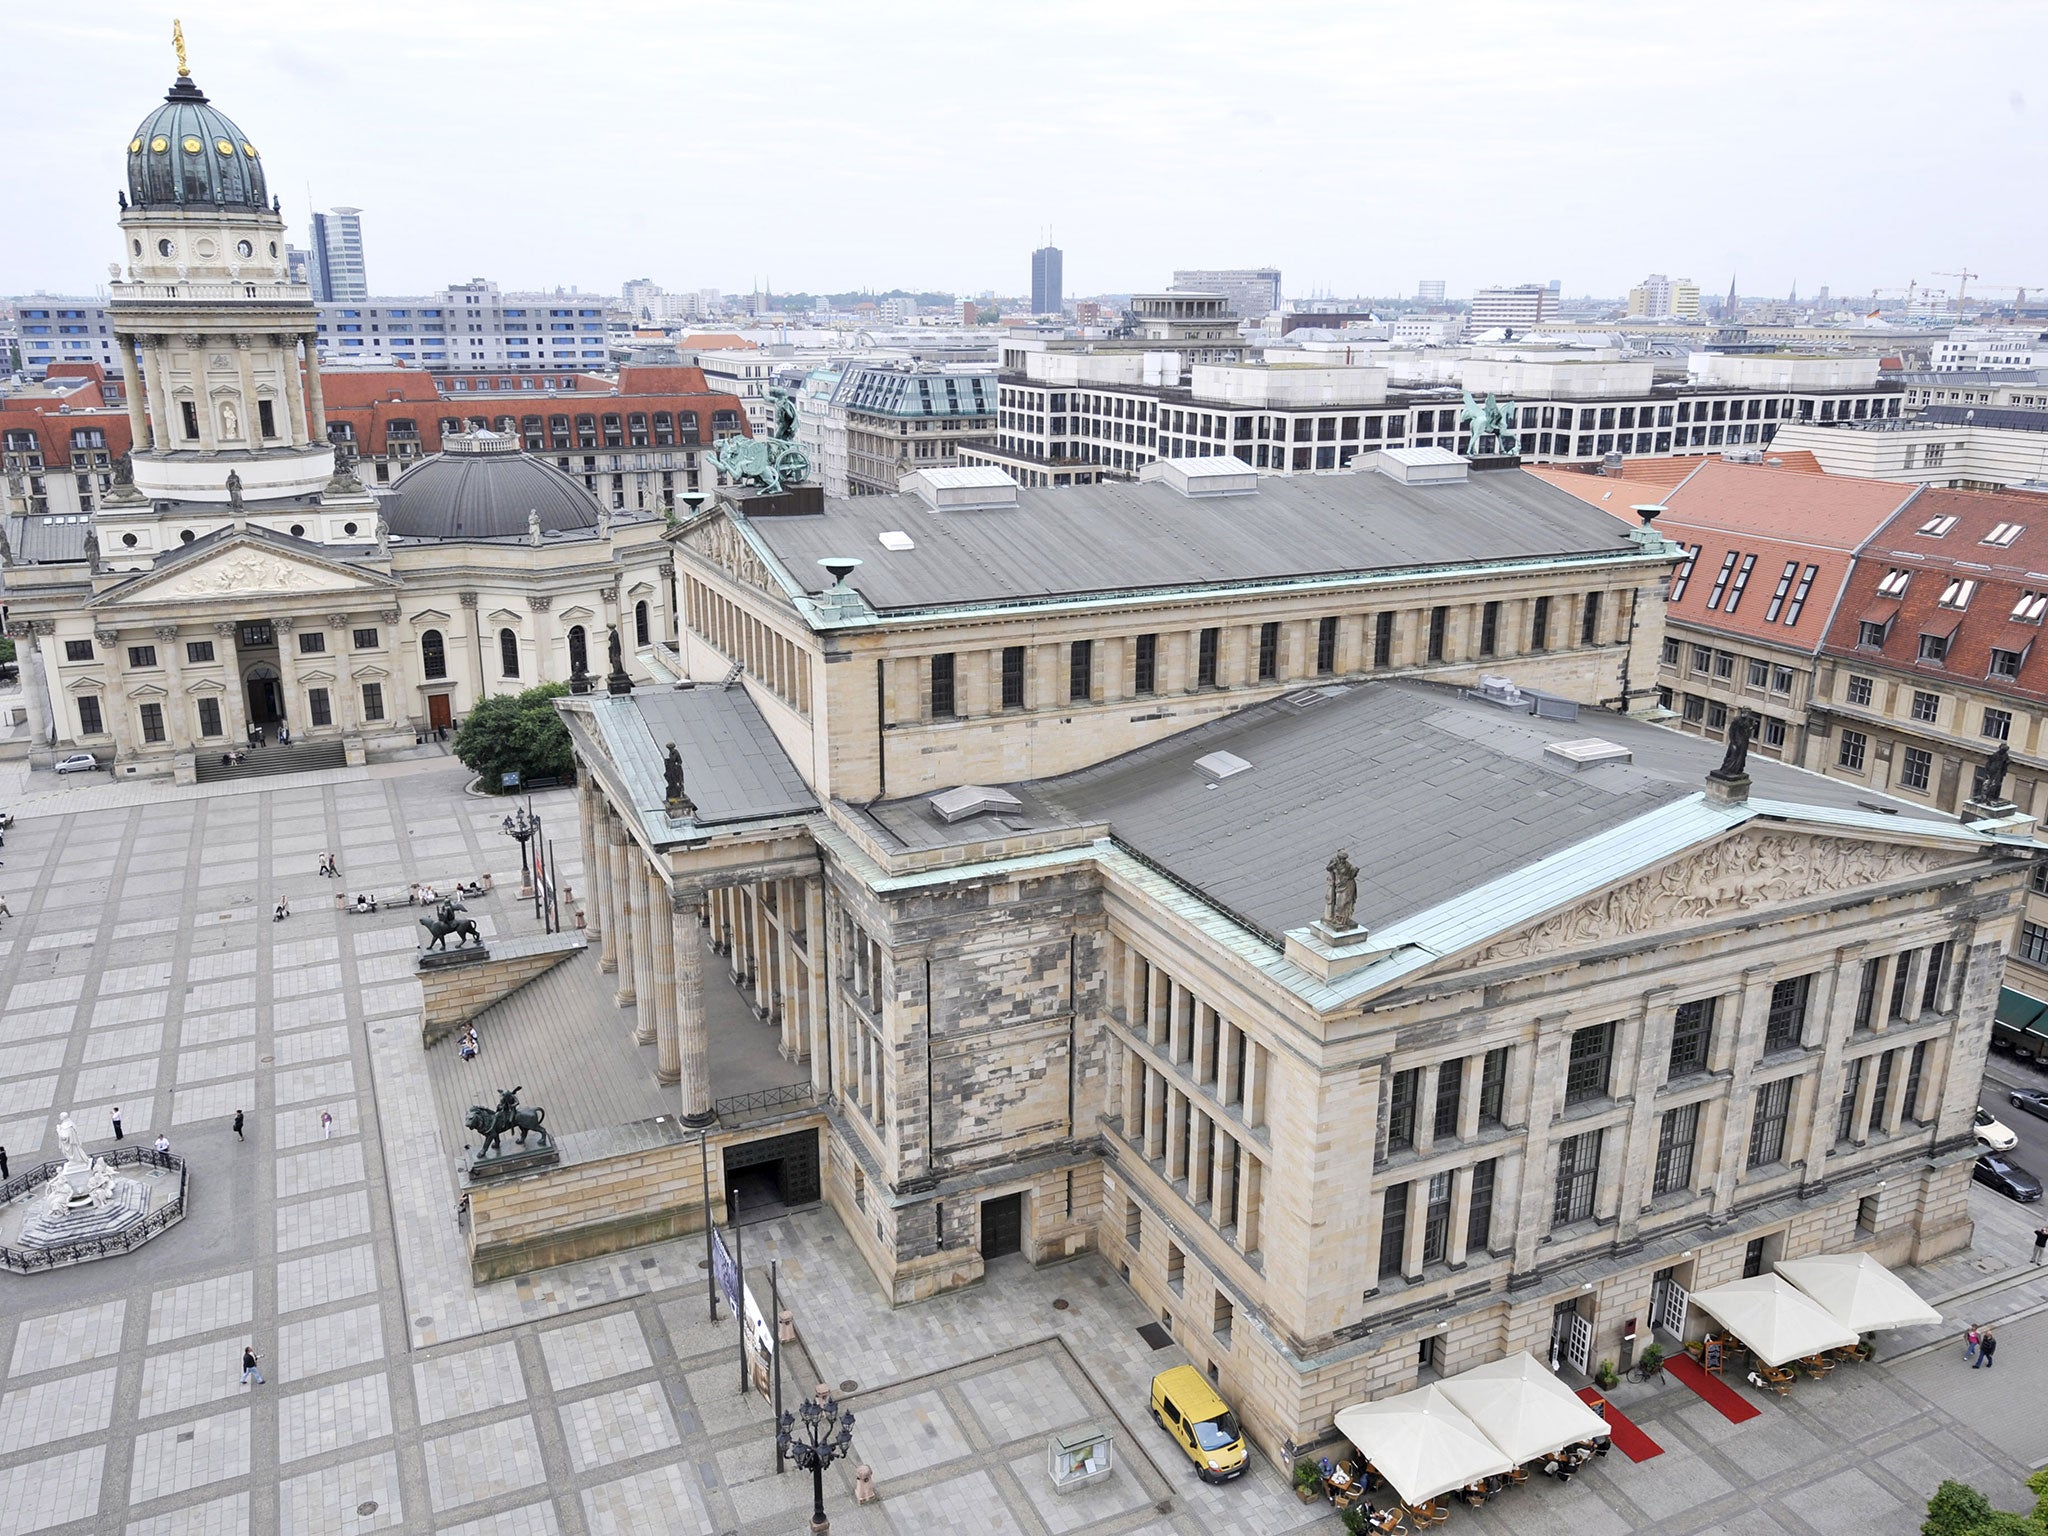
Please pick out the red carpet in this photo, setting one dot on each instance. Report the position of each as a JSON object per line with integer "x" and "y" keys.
{"x": 1724, "y": 1399}
{"x": 1628, "y": 1440}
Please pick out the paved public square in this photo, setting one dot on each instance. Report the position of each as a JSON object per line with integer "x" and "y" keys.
{"x": 142, "y": 968}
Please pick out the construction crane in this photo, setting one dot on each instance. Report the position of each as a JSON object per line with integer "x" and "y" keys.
{"x": 1962, "y": 282}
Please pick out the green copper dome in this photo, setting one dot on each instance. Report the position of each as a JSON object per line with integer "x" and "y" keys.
{"x": 187, "y": 155}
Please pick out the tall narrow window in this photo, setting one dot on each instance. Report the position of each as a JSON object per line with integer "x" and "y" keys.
{"x": 1881, "y": 1091}
{"x": 373, "y": 701}
{"x": 1013, "y": 677}
{"x": 1383, "y": 640}
{"x": 1269, "y": 652}
{"x": 1326, "y": 647}
{"x": 1450, "y": 1083}
{"x": 152, "y": 722}
{"x": 1937, "y": 972}
{"x": 1866, "y": 994}
{"x": 1393, "y": 1232}
{"x": 1436, "y": 1219}
{"x": 209, "y": 717}
{"x": 1692, "y": 1032}
{"x": 1578, "y": 1174}
{"x": 89, "y": 721}
{"x": 1539, "y": 625}
{"x": 1439, "y": 621}
{"x": 1489, "y": 629}
{"x": 1145, "y": 668}
{"x": 266, "y": 417}
{"x": 1677, "y": 1136}
{"x": 640, "y": 636}
{"x": 508, "y": 653}
{"x": 1786, "y": 1021}
{"x": 190, "y": 413}
{"x": 1207, "y": 645}
{"x": 1902, "y": 974}
{"x": 1080, "y": 671}
{"x": 1479, "y": 1220}
{"x": 433, "y": 654}
{"x": 1589, "y": 619}
{"x": 942, "y": 686}
{"x": 1592, "y": 1053}
{"x": 1401, "y": 1110}
{"x": 1915, "y": 1070}
{"x": 1845, "y": 1112}
{"x": 579, "y": 650}
{"x": 318, "y": 707}
{"x": 1767, "y": 1123}
{"x": 1493, "y": 1086}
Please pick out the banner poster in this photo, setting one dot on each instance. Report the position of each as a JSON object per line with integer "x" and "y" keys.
{"x": 760, "y": 1345}
{"x": 727, "y": 1272}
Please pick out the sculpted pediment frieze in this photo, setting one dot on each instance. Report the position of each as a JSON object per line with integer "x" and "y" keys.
{"x": 246, "y": 571}
{"x": 721, "y": 544}
{"x": 1738, "y": 874}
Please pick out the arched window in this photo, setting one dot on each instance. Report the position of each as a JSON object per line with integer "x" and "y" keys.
{"x": 579, "y": 650}
{"x": 433, "y": 654}
{"x": 640, "y": 623}
{"x": 508, "y": 652}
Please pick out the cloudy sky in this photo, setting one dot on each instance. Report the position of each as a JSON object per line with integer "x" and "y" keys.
{"x": 818, "y": 146}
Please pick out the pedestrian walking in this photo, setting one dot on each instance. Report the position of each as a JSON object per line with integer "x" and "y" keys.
{"x": 1987, "y": 1346}
{"x": 115, "y": 1115}
{"x": 2040, "y": 1239}
{"x": 1970, "y": 1341}
{"x": 163, "y": 1145}
{"x": 250, "y": 1368}
{"x": 3, "y": 1164}
{"x": 238, "y": 1127}
{"x": 5, "y": 910}
{"x": 326, "y": 1125}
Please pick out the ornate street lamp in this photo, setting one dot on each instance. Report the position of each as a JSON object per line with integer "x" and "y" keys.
{"x": 522, "y": 828}
{"x": 814, "y": 1437}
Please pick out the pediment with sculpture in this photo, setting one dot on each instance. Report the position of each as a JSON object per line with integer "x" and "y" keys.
{"x": 244, "y": 570}
{"x": 1738, "y": 874}
{"x": 717, "y": 542}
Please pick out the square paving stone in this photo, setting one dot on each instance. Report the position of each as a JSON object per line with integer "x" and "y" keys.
{"x": 189, "y": 1455}
{"x": 215, "y": 1517}
{"x": 452, "y": 1386}
{"x": 35, "y": 1495}
{"x": 65, "y": 1338}
{"x": 331, "y": 1501}
{"x": 56, "y": 1410}
{"x": 664, "y": 1500}
{"x": 1029, "y": 1398}
{"x": 968, "y": 1503}
{"x": 225, "y": 1301}
{"x": 911, "y": 1434}
{"x": 585, "y": 1352}
{"x": 617, "y": 1426}
{"x": 483, "y": 1462}
{"x": 333, "y": 1418}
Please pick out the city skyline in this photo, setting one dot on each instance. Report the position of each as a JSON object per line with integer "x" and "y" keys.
{"x": 1552, "y": 150}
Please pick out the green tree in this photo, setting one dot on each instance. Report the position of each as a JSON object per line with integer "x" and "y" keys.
{"x": 1957, "y": 1509}
{"x": 6, "y": 650}
{"x": 516, "y": 731}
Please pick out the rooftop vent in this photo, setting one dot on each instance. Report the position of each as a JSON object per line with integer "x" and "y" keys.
{"x": 962, "y": 490}
{"x": 1219, "y": 476}
{"x": 1494, "y": 689}
{"x": 1308, "y": 698}
{"x": 972, "y": 800}
{"x": 1421, "y": 466}
{"x": 1588, "y": 752}
{"x": 896, "y": 539}
{"x": 1221, "y": 765}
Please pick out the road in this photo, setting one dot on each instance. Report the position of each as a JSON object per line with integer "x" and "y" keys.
{"x": 2003, "y": 1073}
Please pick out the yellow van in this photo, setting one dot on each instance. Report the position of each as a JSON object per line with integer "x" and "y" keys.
{"x": 1201, "y": 1423}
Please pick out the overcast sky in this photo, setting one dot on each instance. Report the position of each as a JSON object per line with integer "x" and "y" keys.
{"x": 1357, "y": 146}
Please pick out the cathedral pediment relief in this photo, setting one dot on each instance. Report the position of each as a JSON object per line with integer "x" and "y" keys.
{"x": 245, "y": 570}
{"x": 722, "y": 545}
{"x": 1738, "y": 874}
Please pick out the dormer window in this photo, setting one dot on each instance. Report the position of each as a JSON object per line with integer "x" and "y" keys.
{"x": 2004, "y": 534}
{"x": 2030, "y": 608}
{"x": 1935, "y": 527}
{"x": 1894, "y": 583}
{"x": 1957, "y": 593}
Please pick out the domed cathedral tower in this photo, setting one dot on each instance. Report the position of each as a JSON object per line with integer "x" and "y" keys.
{"x": 211, "y": 329}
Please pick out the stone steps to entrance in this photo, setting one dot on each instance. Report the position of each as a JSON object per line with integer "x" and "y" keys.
{"x": 270, "y": 758}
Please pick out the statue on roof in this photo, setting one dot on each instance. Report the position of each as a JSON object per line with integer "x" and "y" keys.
{"x": 92, "y": 551}
{"x": 235, "y": 490}
{"x": 1340, "y": 900}
{"x": 772, "y": 463}
{"x": 783, "y": 403}
{"x": 678, "y": 802}
{"x": 1741, "y": 732}
{"x": 533, "y": 526}
{"x": 1991, "y": 777}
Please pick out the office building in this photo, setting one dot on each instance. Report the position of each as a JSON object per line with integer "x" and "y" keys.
{"x": 1984, "y": 349}
{"x": 470, "y": 326}
{"x": 337, "y": 250}
{"x": 1430, "y": 290}
{"x": 1658, "y": 297}
{"x": 900, "y": 418}
{"x": 1515, "y": 308}
{"x": 1252, "y": 292}
{"x": 1048, "y": 291}
{"x": 51, "y": 329}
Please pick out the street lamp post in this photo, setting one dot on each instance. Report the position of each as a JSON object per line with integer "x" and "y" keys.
{"x": 522, "y": 828}
{"x": 814, "y": 1437}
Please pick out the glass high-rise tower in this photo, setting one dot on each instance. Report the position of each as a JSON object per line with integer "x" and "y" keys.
{"x": 1047, "y": 289}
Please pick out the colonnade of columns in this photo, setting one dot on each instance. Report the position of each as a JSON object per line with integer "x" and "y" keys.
{"x": 767, "y": 930}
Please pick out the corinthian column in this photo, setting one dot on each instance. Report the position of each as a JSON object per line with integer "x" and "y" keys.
{"x": 624, "y": 900}
{"x": 661, "y": 993}
{"x": 693, "y": 1043}
{"x": 646, "y": 1005}
{"x": 609, "y": 842}
{"x": 586, "y": 828}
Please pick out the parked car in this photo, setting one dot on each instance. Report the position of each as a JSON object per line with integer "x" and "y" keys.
{"x": 2008, "y": 1178}
{"x": 2033, "y": 1100}
{"x": 1201, "y": 1423}
{"x": 1994, "y": 1134}
{"x": 77, "y": 762}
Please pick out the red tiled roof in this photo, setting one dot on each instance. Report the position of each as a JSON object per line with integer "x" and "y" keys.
{"x": 2004, "y": 575}
{"x": 69, "y": 399}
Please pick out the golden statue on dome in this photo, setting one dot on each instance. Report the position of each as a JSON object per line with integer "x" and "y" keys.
{"x": 178, "y": 42}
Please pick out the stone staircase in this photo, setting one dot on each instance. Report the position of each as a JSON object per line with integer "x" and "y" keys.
{"x": 271, "y": 757}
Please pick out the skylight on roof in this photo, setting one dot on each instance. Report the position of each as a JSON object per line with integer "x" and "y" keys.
{"x": 1894, "y": 583}
{"x": 1935, "y": 527}
{"x": 1221, "y": 765}
{"x": 895, "y": 538}
{"x": 2004, "y": 534}
{"x": 1957, "y": 593}
{"x": 2030, "y": 607}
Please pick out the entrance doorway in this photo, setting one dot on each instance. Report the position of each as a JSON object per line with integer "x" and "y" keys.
{"x": 1571, "y": 1337}
{"x": 439, "y": 715}
{"x": 266, "y": 697}
{"x": 765, "y": 1178}
{"x": 1002, "y": 1225}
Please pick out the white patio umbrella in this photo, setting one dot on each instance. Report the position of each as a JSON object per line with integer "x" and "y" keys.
{"x": 1858, "y": 1292}
{"x": 1776, "y": 1320}
{"x": 1520, "y": 1405}
{"x": 1421, "y": 1443}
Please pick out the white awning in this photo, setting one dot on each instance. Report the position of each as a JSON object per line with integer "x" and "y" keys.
{"x": 1858, "y": 1292}
{"x": 1520, "y": 1405}
{"x": 1421, "y": 1443}
{"x": 1777, "y": 1321}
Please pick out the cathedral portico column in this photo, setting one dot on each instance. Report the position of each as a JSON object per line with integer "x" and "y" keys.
{"x": 202, "y": 401}
{"x": 238, "y": 695}
{"x": 115, "y": 703}
{"x": 693, "y": 1040}
{"x": 586, "y": 829}
{"x": 252, "y": 423}
{"x": 609, "y": 835}
{"x": 316, "y": 401}
{"x": 178, "y": 730}
{"x": 165, "y": 432}
{"x": 661, "y": 941}
{"x": 288, "y": 667}
{"x": 134, "y": 389}
{"x": 294, "y": 402}
{"x": 643, "y": 949}
{"x": 624, "y": 900}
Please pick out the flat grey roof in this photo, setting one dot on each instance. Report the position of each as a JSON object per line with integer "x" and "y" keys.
{"x": 1431, "y": 792}
{"x": 733, "y": 767}
{"x": 1121, "y": 537}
